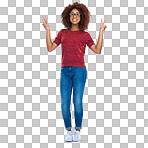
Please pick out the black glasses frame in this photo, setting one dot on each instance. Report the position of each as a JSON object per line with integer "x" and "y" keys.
{"x": 72, "y": 14}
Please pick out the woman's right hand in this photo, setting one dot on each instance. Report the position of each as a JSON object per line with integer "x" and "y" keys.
{"x": 45, "y": 24}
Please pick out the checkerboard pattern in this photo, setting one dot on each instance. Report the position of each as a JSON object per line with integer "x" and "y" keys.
{"x": 116, "y": 93}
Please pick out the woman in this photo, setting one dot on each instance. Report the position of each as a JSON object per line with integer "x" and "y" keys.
{"x": 73, "y": 70}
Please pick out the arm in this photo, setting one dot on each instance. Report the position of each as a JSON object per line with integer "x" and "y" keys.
{"x": 50, "y": 46}
{"x": 99, "y": 43}
{"x": 97, "y": 48}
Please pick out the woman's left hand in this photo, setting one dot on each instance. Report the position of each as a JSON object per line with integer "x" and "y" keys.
{"x": 103, "y": 26}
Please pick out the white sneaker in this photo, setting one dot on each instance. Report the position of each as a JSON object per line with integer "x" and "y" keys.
{"x": 77, "y": 136}
{"x": 69, "y": 136}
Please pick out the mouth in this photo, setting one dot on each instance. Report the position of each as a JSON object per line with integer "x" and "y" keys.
{"x": 74, "y": 20}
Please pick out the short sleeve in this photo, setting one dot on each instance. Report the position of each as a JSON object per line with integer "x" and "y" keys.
{"x": 89, "y": 40}
{"x": 57, "y": 40}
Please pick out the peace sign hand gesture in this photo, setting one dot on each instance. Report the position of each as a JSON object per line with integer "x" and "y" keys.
{"x": 103, "y": 26}
{"x": 45, "y": 24}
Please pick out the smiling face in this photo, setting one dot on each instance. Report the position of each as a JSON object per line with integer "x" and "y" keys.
{"x": 75, "y": 19}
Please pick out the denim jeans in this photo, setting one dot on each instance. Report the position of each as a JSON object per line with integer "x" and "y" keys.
{"x": 72, "y": 77}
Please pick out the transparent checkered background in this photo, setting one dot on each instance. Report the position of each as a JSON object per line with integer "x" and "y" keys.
{"x": 116, "y": 93}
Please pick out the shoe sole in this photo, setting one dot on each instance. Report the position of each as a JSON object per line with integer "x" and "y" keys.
{"x": 76, "y": 140}
{"x": 68, "y": 140}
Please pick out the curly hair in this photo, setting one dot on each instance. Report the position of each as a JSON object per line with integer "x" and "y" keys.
{"x": 85, "y": 15}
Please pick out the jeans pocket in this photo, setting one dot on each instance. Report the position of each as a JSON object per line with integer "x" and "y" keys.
{"x": 84, "y": 68}
{"x": 62, "y": 68}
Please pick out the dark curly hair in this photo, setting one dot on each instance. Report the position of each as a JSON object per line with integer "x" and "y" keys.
{"x": 85, "y": 15}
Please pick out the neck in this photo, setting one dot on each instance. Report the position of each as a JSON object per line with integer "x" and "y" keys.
{"x": 74, "y": 27}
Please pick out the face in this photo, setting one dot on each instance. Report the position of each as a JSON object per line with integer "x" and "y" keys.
{"x": 75, "y": 19}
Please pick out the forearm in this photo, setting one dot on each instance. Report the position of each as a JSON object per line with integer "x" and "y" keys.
{"x": 99, "y": 43}
{"x": 48, "y": 40}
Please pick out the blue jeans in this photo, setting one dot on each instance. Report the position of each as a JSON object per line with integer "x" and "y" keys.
{"x": 72, "y": 77}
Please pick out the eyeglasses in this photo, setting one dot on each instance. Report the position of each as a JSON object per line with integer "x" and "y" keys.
{"x": 77, "y": 14}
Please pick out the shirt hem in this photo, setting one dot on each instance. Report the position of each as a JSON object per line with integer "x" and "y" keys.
{"x": 81, "y": 65}
{"x": 91, "y": 44}
{"x": 56, "y": 43}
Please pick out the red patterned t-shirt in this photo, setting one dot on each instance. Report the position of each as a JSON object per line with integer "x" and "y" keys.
{"x": 73, "y": 44}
